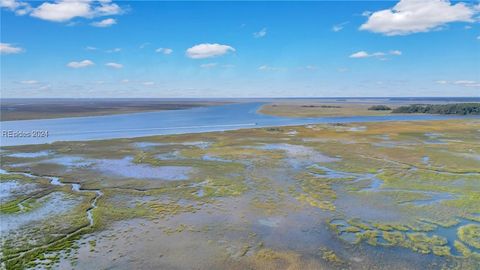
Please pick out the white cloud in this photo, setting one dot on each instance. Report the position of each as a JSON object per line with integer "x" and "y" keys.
{"x": 396, "y": 52}
{"x": 378, "y": 55}
{"x": 464, "y": 83}
{"x": 20, "y": 8}
{"x": 65, "y": 10}
{"x": 125, "y": 81}
{"x": 414, "y": 16}
{"x": 10, "y": 4}
{"x": 104, "y": 23}
{"x": 148, "y": 83}
{"x": 164, "y": 50}
{"x": 107, "y": 8}
{"x": 80, "y": 64}
{"x": 114, "y": 65}
{"x": 29, "y": 82}
{"x": 360, "y": 54}
{"x": 208, "y": 65}
{"x": 260, "y": 34}
{"x": 207, "y": 50}
{"x": 366, "y": 13}
{"x": 339, "y": 27}
{"x": 44, "y": 87}
{"x": 62, "y": 11}
{"x": 269, "y": 68}
{"x": 90, "y": 48}
{"x": 114, "y": 50}
{"x": 7, "y": 48}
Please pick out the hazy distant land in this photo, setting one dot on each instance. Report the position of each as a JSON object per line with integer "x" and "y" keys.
{"x": 27, "y": 109}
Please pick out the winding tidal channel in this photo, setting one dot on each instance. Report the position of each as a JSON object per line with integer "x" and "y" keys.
{"x": 76, "y": 187}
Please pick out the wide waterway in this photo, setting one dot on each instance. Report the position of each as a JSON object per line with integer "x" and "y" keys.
{"x": 202, "y": 119}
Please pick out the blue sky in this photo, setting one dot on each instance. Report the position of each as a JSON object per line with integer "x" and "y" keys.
{"x": 82, "y": 48}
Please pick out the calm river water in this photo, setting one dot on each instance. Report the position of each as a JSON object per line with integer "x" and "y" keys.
{"x": 203, "y": 119}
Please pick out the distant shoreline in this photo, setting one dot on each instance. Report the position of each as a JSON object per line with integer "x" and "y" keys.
{"x": 28, "y": 109}
{"x": 14, "y": 109}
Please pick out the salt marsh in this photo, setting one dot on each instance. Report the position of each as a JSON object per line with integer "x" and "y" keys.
{"x": 320, "y": 196}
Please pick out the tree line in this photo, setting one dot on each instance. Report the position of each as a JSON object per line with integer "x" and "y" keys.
{"x": 454, "y": 108}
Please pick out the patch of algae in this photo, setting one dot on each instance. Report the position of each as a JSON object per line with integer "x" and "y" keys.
{"x": 393, "y": 235}
{"x": 330, "y": 256}
{"x": 270, "y": 259}
{"x": 316, "y": 192}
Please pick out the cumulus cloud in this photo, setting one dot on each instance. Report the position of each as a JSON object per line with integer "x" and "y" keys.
{"x": 20, "y": 8}
{"x": 260, "y": 34}
{"x": 80, "y": 64}
{"x": 415, "y": 16}
{"x": 107, "y": 8}
{"x": 378, "y": 55}
{"x": 114, "y": 65}
{"x": 164, "y": 50}
{"x": 208, "y": 50}
{"x": 64, "y": 10}
{"x": 7, "y": 48}
{"x": 339, "y": 27}
{"x": 10, "y": 4}
{"x": 104, "y": 23}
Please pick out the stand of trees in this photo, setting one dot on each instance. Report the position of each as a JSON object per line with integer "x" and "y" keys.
{"x": 454, "y": 108}
{"x": 379, "y": 108}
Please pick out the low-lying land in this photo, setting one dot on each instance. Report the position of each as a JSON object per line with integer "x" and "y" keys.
{"x": 319, "y": 109}
{"x": 392, "y": 195}
{"x": 322, "y": 109}
{"x": 27, "y": 109}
